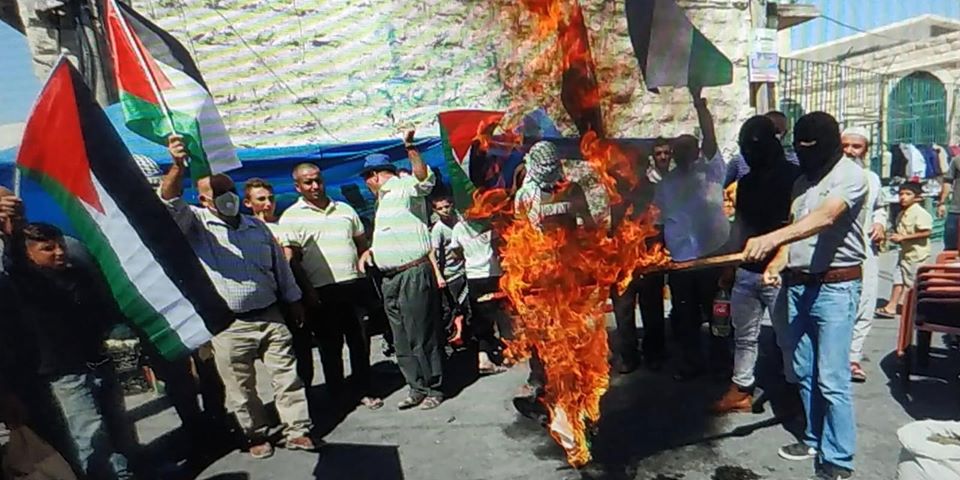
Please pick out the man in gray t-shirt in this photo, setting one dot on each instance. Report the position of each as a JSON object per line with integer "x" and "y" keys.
{"x": 823, "y": 252}
{"x": 952, "y": 210}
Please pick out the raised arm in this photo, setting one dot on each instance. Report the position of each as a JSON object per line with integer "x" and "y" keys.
{"x": 171, "y": 187}
{"x": 708, "y": 145}
{"x": 417, "y": 165}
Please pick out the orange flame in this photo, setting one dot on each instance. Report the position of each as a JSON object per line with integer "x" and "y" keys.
{"x": 558, "y": 281}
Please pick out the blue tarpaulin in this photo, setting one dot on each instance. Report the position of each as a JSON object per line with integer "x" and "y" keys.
{"x": 340, "y": 164}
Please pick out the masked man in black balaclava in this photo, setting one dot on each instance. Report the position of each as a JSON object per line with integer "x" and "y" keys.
{"x": 819, "y": 260}
{"x": 763, "y": 205}
{"x": 249, "y": 270}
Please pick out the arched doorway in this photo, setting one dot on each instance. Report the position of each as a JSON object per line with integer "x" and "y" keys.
{"x": 917, "y": 111}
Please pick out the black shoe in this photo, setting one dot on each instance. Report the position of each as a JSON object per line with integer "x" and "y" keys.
{"x": 687, "y": 374}
{"x": 828, "y": 471}
{"x": 627, "y": 365}
{"x": 797, "y": 451}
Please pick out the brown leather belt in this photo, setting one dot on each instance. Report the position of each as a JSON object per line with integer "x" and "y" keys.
{"x": 834, "y": 275}
{"x": 389, "y": 272}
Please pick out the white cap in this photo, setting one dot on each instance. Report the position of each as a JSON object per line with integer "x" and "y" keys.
{"x": 857, "y": 132}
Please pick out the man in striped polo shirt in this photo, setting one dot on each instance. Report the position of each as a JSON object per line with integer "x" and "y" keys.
{"x": 323, "y": 238}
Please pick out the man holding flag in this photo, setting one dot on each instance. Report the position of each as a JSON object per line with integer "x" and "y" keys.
{"x": 250, "y": 272}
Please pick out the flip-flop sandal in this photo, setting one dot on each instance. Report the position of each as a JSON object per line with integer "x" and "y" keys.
{"x": 485, "y": 371}
{"x": 430, "y": 403}
{"x": 857, "y": 375}
{"x": 883, "y": 313}
{"x": 409, "y": 403}
{"x": 372, "y": 403}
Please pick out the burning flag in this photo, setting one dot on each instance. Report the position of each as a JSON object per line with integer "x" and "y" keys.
{"x": 162, "y": 91}
{"x": 153, "y": 274}
{"x": 558, "y": 280}
{"x": 671, "y": 51}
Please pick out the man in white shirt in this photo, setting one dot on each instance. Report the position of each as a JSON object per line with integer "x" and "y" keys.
{"x": 249, "y": 270}
{"x": 401, "y": 250}
{"x": 323, "y": 239}
{"x": 690, "y": 199}
{"x": 856, "y": 143}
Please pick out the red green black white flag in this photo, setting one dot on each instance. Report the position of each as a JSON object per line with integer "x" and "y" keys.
{"x": 161, "y": 90}
{"x": 73, "y": 152}
{"x": 458, "y": 130}
{"x": 671, "y": 51}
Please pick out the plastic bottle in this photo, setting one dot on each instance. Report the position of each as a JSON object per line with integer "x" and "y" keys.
{"x": 720, "y": 321}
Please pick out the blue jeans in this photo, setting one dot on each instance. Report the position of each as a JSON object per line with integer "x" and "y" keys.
{"x": 822, "y": 318}
{"x": 749, "y": 299}
{"x": 89, "y": 402}
{"x": 950, "y": 231}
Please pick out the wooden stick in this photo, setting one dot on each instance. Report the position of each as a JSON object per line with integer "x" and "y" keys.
{"x": 705, "y": 262}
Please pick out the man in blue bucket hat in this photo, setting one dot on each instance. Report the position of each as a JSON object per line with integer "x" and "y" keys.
{"x": 401, "y": 250}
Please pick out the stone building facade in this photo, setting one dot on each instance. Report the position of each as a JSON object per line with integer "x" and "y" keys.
{"x": 351, "y": 70}
{"x": 921, "y": 53}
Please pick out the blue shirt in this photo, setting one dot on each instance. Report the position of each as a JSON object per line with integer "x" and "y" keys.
{"x": 738, "y": 168}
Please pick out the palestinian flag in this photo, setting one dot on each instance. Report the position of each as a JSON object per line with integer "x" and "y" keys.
{"x": 160, "y": 85}
{"x": 671, "y": 51}
{"x": 72, "y": 152}
{"x": 458, "y": 130}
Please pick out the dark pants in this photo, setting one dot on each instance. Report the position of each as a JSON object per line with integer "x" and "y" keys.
{"x": 649, "y": 291}
{"x": 487, "y": 318}
{"x": 338, "y": 321}
{"x": 303, "y": 343}
{"x": 692, "y": 294}
{"x": 456, "y": 301}
{"x": 412, "y": 303}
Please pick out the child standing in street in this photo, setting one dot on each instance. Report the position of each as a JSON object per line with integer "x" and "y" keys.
{"x": 450, "y": 264}
{"x": 913, "y": 235}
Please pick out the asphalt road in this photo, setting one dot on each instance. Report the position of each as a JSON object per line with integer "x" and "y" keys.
{"x": 652, "y": 428}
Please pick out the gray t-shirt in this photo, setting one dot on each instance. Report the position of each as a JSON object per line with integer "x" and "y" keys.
{"x": 952, "y": 175}
{"x": 841, "y": 244}
{"x": 441, "y": 237}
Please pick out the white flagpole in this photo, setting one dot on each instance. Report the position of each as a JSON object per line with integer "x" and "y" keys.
{"x": 141, "y": 56}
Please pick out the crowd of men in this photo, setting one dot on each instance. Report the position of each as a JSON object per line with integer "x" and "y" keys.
{"x": 809, "y": 224}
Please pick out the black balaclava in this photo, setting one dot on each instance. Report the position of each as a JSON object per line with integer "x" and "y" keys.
{"x": 816, "y": 138}
{"x": 759, "y": 144}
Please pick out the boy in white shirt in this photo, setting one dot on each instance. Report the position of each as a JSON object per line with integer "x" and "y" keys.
{"x": 476, "y": 241}
{"x": 450, "y": 265}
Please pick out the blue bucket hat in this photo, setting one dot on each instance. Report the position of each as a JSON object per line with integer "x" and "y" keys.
{"x": 377, "y": 162}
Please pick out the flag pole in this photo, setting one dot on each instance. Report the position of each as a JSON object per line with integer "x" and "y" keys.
{"x": 141, "y": 56}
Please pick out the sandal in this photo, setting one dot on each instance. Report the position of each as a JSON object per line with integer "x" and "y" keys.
{"x": 372, "y": 403}
{"x": 857, "y": 375}
{"x": 492, "y": 370}
{"x": 410, "y": 402}
{"x": 430, "y": 403}
{"x": 884, "y": 313}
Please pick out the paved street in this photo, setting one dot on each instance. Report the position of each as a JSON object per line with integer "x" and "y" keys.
{"x": 652, "y": 428}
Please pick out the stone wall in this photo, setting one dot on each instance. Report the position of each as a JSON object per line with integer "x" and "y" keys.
{"x": 353, "y": 70}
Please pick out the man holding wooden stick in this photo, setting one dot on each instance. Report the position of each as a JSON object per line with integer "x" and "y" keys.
{"x": 819, "y": 260}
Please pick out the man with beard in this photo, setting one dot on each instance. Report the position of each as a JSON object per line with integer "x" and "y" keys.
{"x": 762, "y": 205}
{"x": 820, "y": 257}
{"x": 856, "y": 144}
{"x": 249, "y": 270}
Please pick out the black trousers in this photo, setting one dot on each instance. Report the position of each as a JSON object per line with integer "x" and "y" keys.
{"x": 303, "y": 343}
{"x": 488, "y": 318}
{"x": 412, "y": 303}
{"x": 455, "y": 302}
{"x": 648, "y": 290}
{"x": 692, "y": 294}
{"x": 338, "y": 321}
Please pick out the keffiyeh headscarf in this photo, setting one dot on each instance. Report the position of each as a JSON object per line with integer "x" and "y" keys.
{"x": 543, "y": 164}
